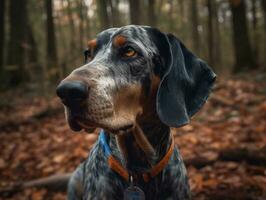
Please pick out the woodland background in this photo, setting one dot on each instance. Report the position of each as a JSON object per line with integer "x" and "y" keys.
{"x": 224, "y": 147}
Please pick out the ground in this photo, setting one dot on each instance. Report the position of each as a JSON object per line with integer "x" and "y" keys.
{"x": 224, "y": 146}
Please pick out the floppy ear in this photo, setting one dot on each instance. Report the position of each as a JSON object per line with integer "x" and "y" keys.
{"x": 186, "y": 82}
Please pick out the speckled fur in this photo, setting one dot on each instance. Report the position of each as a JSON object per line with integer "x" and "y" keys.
{"x": 93, "y": 179}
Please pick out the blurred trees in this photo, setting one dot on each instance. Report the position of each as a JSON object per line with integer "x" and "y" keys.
{"x": 16, "y": 57}
{"x": 195, "y": 25}
{"x": 263, "y": 4}
{"x": 213, "y": 34}
{"x": 135, "y": 11}
{"x": 102, "y": 14}
{"x": 51, "y": 50}
{"x": 151, "y": 13}
{"x": 115, "y": 13}
{"x": 2, "y": 33}
{"x": 242, "y": 45}
{"x": 42, "y": 40}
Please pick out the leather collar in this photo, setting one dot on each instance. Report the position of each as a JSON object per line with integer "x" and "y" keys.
{"x": 116, "y": 166}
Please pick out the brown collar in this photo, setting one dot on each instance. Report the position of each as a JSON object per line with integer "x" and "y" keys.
{"x": 115, "y": 165}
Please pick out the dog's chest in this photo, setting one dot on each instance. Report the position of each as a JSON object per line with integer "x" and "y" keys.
{"x": 103, "y": 183}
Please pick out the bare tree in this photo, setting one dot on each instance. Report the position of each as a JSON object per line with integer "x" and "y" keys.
{"x": 135, "y": 11}
{"x": 244, "y": 58}
{"x": 51, "y": 50}
{"x": 81, "y": 8}
{"x": 255, "y": 28}
{"x": 17, "y": 41}
{"x": 72, "y": 28}
{"x": 263, "y": 4}
{"x": 115, "y": 15}
{"x": 102, "y": 14}
{"x": 87, "y": 22}
{"x": 171, "y": 21}
{"x": 2, "y": 34}
{"x": 182, "y": 8}
{"x": 195, "y": 24}
{"x": 213, "y": 34}
{"x": 151, "y": 13}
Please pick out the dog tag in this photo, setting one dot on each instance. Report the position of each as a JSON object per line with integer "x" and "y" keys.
{"x": 134, "y": 193}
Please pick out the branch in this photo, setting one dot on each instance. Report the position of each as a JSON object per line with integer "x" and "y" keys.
{"x": 56, "y": 182}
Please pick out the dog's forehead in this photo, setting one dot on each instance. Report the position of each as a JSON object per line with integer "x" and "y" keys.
{"x": 134, "y": 33}
{"x": 105, "y": 36}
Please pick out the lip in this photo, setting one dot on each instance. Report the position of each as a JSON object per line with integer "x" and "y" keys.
{"x": 74, "y": 125}
{"x": 78, "y": 121}
{"x": 73, "y": 119}
{"x": 77, "y": 125}
{"x": 86, "y": 127}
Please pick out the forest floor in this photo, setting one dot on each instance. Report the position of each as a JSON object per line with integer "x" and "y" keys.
{"x": 224, "y": 146}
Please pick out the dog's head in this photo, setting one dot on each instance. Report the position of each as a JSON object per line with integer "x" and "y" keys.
{"x": 133, "y": 73}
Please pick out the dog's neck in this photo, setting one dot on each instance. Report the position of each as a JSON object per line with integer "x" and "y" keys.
{"x": 127, "y": 150}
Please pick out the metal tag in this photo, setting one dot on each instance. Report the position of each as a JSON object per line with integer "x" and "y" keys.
{"x": 134, "y": 193}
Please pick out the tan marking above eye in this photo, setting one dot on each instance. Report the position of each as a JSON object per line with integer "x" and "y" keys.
{"x": 119, "y": 40}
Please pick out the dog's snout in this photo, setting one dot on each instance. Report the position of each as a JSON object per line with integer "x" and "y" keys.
{"x": 72, "y": 91}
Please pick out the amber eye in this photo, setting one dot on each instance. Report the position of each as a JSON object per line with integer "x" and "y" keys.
{"x": 129, "y": 52}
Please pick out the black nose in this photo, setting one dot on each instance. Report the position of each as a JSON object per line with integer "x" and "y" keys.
{"x": 71, "y": 92}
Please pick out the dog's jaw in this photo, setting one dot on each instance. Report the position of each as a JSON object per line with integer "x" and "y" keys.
{"x": 141, "y": 146}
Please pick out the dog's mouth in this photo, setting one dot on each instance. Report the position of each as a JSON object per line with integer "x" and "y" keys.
{"x": 78, "y": 124}
{"x": 79, "y": 120}
{"x": 76, "y": 119}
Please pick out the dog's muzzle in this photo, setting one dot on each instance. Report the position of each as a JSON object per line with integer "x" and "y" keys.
{"x": 73, "y": 95}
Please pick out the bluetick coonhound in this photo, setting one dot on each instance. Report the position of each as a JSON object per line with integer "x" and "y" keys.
{"x": 137, "y": 82}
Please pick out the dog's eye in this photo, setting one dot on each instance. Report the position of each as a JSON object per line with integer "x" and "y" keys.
{"x": 129, "y": 52}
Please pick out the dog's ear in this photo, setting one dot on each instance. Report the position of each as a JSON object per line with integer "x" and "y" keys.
{"x": 186, "y": 82}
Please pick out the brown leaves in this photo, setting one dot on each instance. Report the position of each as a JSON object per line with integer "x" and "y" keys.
{"x": 234, "y": 117}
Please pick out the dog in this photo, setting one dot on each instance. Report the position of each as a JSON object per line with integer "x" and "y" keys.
{"x": 136, "y": 83}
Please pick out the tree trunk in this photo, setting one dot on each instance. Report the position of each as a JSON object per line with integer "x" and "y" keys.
{"x": 171, "y": 22}
{"x": 217, "y": 36}
{"x": 210, "y": 30}
{"x": 159, "y": 8}
{"x": 135, "y": 11}
{"x": 256, "y": 38}
{"x": 71, "y": 26}
{"x": 151, "y": 13}
{"x": 51, "y": 50}
{"x": 263, "y": 4}
{"x": 195, "y": 24}
{"x": 17, "y": 42}
{"x": 102, "y": 14}
{"x": 182, "y": 9}
{"x": 61, "y": 26}
{"x": 182, "y": 25}
{"x": 244, "y": 58}
{"x": 214, "y": 34}
{"x": 2, "y": 34}
{"x": 87, "y": 23}
{"x": 81, "y": 24}
{"x": 115, "y": 13}
{"x": 33, "y": 50}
